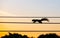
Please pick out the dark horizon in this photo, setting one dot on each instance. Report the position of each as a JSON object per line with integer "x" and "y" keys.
{"x": 16, "y": 35}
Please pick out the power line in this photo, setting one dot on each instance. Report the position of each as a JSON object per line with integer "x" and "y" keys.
{"x": 29, "y": 30}
{"x": 24, "y": 17}
{"x": 27, "y": 23}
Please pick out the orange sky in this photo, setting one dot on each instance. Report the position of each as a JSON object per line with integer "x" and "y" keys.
{"x": 29, "y": 8}
{"x": 45, "y": 27}
{"x": 30, "y": 34}
{"x": 29, "y": 27}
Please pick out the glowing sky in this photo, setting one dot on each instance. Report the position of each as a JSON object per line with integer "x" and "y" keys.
{"x": 29, "y": 8}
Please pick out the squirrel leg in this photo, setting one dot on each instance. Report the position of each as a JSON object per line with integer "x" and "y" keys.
{"x": 40, "y": 21}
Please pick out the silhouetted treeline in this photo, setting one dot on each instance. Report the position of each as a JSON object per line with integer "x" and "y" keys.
{"x": 15, "y": 35}
{"x": 49, "y": 36}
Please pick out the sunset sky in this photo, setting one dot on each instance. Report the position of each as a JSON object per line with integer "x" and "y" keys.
{"x": 29, "y": 8}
